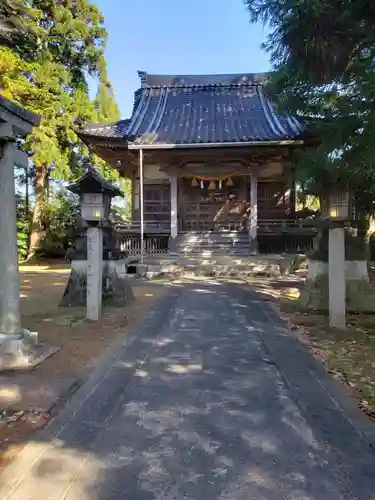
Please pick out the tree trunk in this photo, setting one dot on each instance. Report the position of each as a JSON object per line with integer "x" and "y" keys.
{"x": 324, "y": 204}
{"x": 36, "y": 225}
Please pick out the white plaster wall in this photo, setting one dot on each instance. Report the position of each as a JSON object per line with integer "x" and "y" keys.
{"x": 153, "y": 175}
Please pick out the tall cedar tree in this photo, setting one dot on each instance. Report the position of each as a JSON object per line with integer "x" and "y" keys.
{"x": 43, "y": 66}
{"x": 323, "y": 54}
{"x": 107, "y": 111}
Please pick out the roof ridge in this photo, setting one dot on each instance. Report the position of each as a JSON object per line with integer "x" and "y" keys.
{"x": 105, "y": 124}
{"x": 213, "y": 80}
{"x": 210, "y": 85}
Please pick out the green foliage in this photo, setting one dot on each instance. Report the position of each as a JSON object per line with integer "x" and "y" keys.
{"x": 47, "y": 51}
{"x": 23, "y": 227}
{"x": 105, "y": 104}
{"x": 11, "y": 12}
{"x": 64, "y": 40}
{"x": 58, "y": 225}
{"x": 126, "y": 188}
{"x": 23, "y": 239}
{"x": 323, "y": 54}
{"x": 106, "y": 111}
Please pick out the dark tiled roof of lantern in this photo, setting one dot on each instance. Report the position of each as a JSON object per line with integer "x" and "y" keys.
{"x": 201, "y": 109}
{"x": 92, "y": 182}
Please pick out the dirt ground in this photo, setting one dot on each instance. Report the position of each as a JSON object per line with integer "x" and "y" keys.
{"x": 349, "y": 355}
{"x": 82, "y": 342}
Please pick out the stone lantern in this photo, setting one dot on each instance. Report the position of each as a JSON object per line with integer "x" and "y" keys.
{"x": 339, "y": 206}
{"x": 96, "y": 248}
{"x": 337, "y": 279}
{"x": 95, "y": 195}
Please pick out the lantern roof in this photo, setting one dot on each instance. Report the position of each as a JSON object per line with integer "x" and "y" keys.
{"x": 92, "y": 182}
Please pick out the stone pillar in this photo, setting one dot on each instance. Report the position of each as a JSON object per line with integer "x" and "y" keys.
{"x": 336, "y": 278}
{"x": 9, "y": 276}
{"x": 94, "y": 272}
{"x": 253, "y": 220}
{"x": 174, "y": 205}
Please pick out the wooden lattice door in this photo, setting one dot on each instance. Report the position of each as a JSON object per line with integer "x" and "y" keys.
{"x": 157, "y": 203}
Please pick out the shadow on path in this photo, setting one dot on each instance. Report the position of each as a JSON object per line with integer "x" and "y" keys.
{"x": 210, "y": 399}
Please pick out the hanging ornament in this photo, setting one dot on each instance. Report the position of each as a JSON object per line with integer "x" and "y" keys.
{"x": 194, "y": 183}
{"x": 212, "y": 186}
{"x": 220, "y": 184}
{"x": 202, "y": 184}
{"x": 229, "y": 182}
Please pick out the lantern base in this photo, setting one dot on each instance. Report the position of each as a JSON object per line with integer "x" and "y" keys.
{"x": 111, "y": 249}
{"x": 360, "y": 296}
{"x": 116, "y": 290}
{"x": 21, "y": 351}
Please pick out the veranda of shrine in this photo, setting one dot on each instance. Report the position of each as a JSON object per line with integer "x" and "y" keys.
{"x": 207, "y": 153}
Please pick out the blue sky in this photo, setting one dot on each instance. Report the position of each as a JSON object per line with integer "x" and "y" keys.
{"x": 178, "y": 37}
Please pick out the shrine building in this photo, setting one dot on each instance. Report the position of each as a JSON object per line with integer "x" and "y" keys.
{"x": 206, "y": 153}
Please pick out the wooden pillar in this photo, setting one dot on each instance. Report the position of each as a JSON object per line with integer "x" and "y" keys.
{"x": 135, "y": 197}
{"x": 174, "y": 205}
{"x": 253, "y": 220}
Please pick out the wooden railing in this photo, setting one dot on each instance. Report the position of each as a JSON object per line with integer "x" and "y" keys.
{"x": 265, "y": 226}
{"x": 155, "y": 241}
{"x": 274, "y": 235}
{"x": 150, "y": 227}
{"x": 288, "y": 226}
{"x": 235, "y": 224}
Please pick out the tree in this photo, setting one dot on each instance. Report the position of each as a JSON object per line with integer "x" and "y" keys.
{"x": 64, "y": 40}
{"x": 323, "y": 56}
{"x": 105, "y": 104}
{"x": 107, "y": 111}
{"x": 11, "y": 12}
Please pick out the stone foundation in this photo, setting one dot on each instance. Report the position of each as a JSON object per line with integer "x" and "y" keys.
{"x": 116, "y": 286}
{"x": 21, "y": 351}
{"x": 360, "y": 296}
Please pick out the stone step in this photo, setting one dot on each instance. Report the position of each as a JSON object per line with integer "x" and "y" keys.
{"x": 211, "y": 243}
{"x": 211, "y": 250}
{"x": 221, "y": 266}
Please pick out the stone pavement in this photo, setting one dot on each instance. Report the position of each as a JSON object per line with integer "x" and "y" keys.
{"x": 209, "y": 399}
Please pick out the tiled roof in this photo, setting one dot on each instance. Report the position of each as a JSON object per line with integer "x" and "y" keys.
{"x": 207, "y": 109}
{"x": 116, "y": 130}
{"x": 194, "y": 80}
